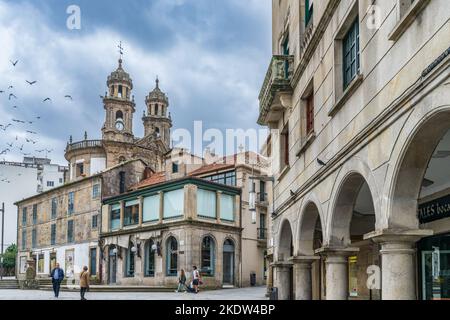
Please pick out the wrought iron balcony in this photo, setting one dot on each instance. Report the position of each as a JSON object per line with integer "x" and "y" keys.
{"x": 84, "y": 144}
{"x": 278, "y": 80}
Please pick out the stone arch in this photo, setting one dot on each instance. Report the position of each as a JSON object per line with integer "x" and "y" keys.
{"x": 351, "y": 178}
{"x": 285, "y": 241}
{"x": 422, "y": 132}
{"x": 310, "y": 214}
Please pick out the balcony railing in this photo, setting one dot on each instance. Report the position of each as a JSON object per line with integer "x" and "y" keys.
{"x": 262, "y": 233}
{"x": 262, "y": 198}
{"x": 278, "y": 79}
{"x": 84, "y": 144}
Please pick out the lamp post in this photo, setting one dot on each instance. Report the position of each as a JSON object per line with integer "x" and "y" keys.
{"x": 3, "y": 238}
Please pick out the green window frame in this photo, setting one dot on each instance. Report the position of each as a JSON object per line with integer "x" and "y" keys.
{"x": 351, "y": 54}
{"x": 309, "y": 6}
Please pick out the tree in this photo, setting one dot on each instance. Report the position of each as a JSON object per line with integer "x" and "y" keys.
{"x": 9, "y": 258}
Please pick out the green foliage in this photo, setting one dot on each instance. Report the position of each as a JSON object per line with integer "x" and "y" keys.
{"x": 9, "y": 257}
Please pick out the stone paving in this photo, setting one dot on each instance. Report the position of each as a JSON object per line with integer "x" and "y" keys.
{"x": 254, "y": 293}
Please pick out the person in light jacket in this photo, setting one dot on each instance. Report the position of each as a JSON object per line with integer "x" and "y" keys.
{"x": 57, "y": 275}
{"x": 84, "y": 282}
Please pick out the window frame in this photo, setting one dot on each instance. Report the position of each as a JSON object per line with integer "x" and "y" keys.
{"x": 350, "y": 46}
{"x": 211, "y": 255}
{"x": 70, "y": 231}
{"x": 53, "y": 234}
{"x": 171, "y": 272}
{"x": 149, "y": 256}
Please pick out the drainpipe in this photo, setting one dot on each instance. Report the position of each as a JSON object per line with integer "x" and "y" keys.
{"x": 240, "y": 240}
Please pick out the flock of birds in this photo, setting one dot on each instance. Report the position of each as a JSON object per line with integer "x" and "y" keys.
{"x": 30, "y": 136}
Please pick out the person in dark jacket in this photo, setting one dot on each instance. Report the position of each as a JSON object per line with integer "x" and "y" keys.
{"x": 57, "y": 275}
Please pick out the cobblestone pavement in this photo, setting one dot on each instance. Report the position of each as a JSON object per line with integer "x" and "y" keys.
{"x": 254, "y": 293}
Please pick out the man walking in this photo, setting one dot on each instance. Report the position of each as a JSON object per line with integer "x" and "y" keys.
{"x": 84, "y": 282}
{"x": 57, "y": 275}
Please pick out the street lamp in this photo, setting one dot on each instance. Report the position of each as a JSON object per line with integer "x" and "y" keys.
{"x": 252, "y": 202}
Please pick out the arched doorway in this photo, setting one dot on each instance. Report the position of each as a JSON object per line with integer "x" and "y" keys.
{"x": 310, "y": 268}
{"x": 112, "y": 264}
{"x": 284, "y": 274}
{"x": 228, "y": 262}
{"x": 353, "y": 216}
{"x": 419, "y": 203}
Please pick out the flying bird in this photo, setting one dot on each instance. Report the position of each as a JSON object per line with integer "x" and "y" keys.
{"x": 21, "y": 148}
{"x": 32, "y": 132}
{"x": 10, "y": 145}
{"x": 12, "y": 95}
{"x": 10, "y": 87}
{"x": 14, "y": 63}
{"x": 1, "y": 91}
{"x": 38, "y": 118}
{"x": 15, "y": 107}
{"x": 320, "y": 162}
{"x": 31, "y": 82}
{"x": 47, "y": 99}
{"x": 68, "y": 97}
{"x": 20, "y": 121}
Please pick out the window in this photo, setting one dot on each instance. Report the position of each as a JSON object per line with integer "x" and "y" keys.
{"x": 95, "y": 191}
{"x": 262, "y": 191}
{"x": 308, "y": 11}
{"x": 120, "y": 91}
{"x": 286, "y": 51}
{"x": 79, "y": 169}
{"x": 93, "y": 261}
{"x": 351, "y": 53}
{"x": 121, "y": 181}
{"x": 54, "y": 207}
{"x": 208, "y": 256}
{"x": 50, "y": 183}
{"x": 129, "y": 262}
{"x": 206, "y": 203}
{"x": 115, "y": 217}
{"x": 60, "y": 180}
{"x": 24, "y": 216}
{"x": 284, "y": 148}
{"x": 119, "y": 115}
{"x": 156, "y": 109}
{"x": 40, "y": 264}
{"x": 34, "y": 213}
{"x": 310, "y": 114}
{"x": 227, "y": 178}
{"x": 70, "y": 207}
{"x": 150, "y": 211}
{"x": 131, "y": 214}
{"x": 95, "y": 221}
{"x": 226, "y": 207}
{"x": 70, "y": 231}
{"x": 24, "y": 239}
{"x": 33, "y": 238}
{"x": 173, "y": 203}
{"x": 175, "y": 167}
{"x": 53, "y": 234}
{"x": 172, "y": 257}
{"x": 150, "y": 259}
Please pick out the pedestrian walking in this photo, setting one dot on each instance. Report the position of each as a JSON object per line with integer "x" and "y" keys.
{"x": 57, "y": 275}
{"x": 84, "y": 282}
{"x": 181, "y": 281}
{"x": 196, "y": 278}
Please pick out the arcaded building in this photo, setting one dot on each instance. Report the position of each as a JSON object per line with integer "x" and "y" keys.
{"x": 357, "y": 94}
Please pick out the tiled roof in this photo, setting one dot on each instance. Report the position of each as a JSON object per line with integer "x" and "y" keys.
{"x": 155, "y": 178}
{"x": 211, "y": 167}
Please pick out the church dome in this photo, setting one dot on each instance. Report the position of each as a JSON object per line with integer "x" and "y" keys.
{"x": 120, "y": 76}
{"x": 157, "y": 95}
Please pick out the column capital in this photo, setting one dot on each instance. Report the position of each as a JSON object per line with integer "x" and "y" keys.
{"x": 303, "y": 259}
{"x": 281, "y": 264}
{"x": 400, "y": 236}
{"x": 337, "y": 251}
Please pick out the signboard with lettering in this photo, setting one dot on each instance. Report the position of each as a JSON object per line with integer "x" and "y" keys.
{"x": 434, "y": 210}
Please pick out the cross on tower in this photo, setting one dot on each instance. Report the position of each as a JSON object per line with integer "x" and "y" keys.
{"x": 120, "y": 49}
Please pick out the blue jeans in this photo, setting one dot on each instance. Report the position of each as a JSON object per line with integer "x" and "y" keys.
{"x": 56, "y": 286}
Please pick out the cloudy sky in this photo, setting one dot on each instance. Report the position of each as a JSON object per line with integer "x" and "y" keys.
{"x": 210, "y": 55}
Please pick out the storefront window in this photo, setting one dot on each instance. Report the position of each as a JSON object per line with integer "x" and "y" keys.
{"x": 172, "y": 256}
{"x": 208, "y": 256}
{"x": 434, "y": 256}
{"x": 173, "y": 203}
{"x": 129, "y": 270}
{"x": 151, "y": 208}
{"x": 226, "y": 207}
{"x": 206, "y": 203}
{"x": 150, "y": 259}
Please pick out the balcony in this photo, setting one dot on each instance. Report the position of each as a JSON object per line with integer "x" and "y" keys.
{"x": 83, "y": 145}
{"x": 261, "y": 199}
{"x": 276, "y": 91}
{"x": 262, "y": 237}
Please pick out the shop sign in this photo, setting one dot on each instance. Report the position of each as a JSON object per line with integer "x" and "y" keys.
{"x": 434, "y": 210}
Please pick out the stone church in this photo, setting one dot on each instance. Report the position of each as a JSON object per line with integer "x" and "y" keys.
{"x": 118, "y": 142}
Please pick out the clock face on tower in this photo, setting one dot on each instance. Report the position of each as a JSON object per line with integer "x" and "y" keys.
{"x": 119, "y": 125}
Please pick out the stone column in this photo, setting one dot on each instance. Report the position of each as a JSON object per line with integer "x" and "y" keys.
{"x": 303, "y": 276}
{"x": 122, "y": 212}
{"x": 269, "y": 282}
{"x": 141, "y": 210}
{"x": 398, "y": 269}
{"x": 336, "y": 269}
{"x": 282, "y": 279}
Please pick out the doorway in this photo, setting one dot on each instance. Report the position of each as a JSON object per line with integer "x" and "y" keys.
{"x": 228, "y": 263}
{"x": 112, "y": 266}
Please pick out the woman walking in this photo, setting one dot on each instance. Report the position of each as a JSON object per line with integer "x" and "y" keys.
{"x": 181, "y": 281}
{"x": 84, "y": 282}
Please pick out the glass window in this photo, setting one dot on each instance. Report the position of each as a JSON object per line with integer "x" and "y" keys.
{"x": 95, "y": 191}
{"x": 206, "y": 203}
{"x": 24, "y": 239}
{"x": 70, "y": 231}
{"x": 93, "y": 261}
{"x": 173, "y": 203}
{"x": 174, "y": 167}
{"x": 54, "y": 207}
{"x": 53, "y": 234}
{"x": 33, "y": 238}
{"x": 308, "y": 11}
{"x": 94, "y": 221}
{"x": 24, "y": 216}
{"x": 131, "y": 214}
{"x": 129, "y": 270}
{"x": 226, "y": 207}
{"x": 115, "y": 217}
{"x": 227, "y": 178}
{"x": 172, "y": 257}
{"x": 208, "y": 256}
{"x": 70, "y": 207}
{"x": 151, "y": 208}
{"x": 150, "y": 259}
{"x": 351, "y": 53}
{"x": 34, "y": 213}
{"x": 122, "y": 181}
{"x": 50, "y": 183}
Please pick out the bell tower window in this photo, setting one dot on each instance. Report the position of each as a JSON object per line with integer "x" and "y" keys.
{"x": 156, "y": 109}
{"x": 119, "y": 115}
{"x": 120, "y": 91}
